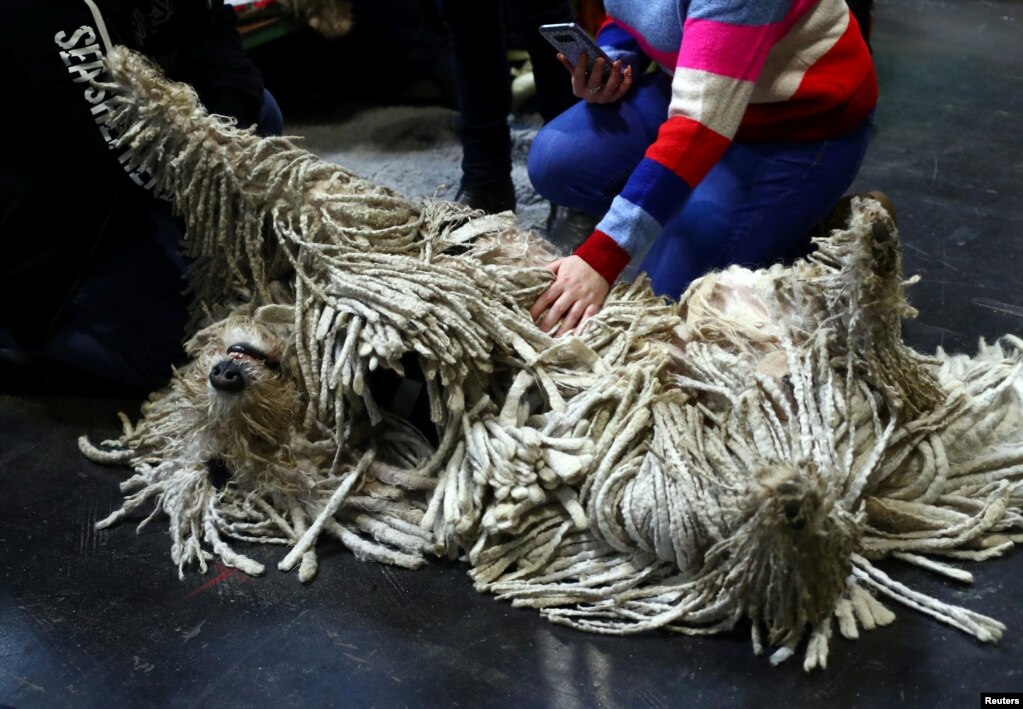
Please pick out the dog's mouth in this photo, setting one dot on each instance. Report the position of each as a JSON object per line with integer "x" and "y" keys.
{"x": 247, "y": 351}
{"x": 233, "y": 373}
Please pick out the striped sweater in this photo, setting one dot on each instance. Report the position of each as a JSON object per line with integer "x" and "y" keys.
{"x": 742, "y": 70}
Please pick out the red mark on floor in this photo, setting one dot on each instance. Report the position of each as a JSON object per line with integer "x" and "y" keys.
{"x": 221, "y": 573}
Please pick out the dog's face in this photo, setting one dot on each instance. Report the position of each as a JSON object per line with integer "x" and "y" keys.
{"x": 241, "y": 384}
{"x": 249, "y": 357}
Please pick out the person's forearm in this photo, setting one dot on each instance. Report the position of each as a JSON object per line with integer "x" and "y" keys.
{"x": 718, "y": 63}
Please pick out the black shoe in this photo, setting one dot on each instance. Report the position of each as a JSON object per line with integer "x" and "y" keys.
{"x": 492, "y": 200}
{"x": 568, "y": 228}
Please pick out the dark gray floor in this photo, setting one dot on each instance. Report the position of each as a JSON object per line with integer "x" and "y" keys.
{"x": 101, "y": 619}
{"x": 949, "y": 151}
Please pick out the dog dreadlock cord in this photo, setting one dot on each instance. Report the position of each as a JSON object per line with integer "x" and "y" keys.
{"x": 745, "y": 454}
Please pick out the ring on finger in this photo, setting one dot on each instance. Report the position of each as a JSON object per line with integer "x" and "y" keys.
{"x": 593, "y": 89}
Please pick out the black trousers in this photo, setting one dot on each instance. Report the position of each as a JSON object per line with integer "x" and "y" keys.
{"x": 480, "y": 57}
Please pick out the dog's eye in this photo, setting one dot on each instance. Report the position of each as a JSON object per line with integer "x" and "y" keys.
{"x": 244, "y": 348}
{"x": 248, "y": 350}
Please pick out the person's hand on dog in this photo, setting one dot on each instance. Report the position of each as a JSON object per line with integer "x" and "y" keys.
{"x": 576, "y": 295}
{"x": 590, "y": 86}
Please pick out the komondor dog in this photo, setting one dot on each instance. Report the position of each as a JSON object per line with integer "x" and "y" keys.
{"x": 743, "y": 456}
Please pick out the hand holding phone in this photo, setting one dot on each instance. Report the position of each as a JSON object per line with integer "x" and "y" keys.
{"x": 572, "y": 41}
{"x": 595, "y": 78}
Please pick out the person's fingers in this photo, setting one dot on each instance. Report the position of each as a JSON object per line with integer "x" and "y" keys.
{"x": 571, "y": 319}
{"x": 544, "y": 301}
{"x": 623, "y": 87}
{"x": 617, "y": 86}
{"x": 545, "y": 322}
{"x": 565, "y": 63}
{"x": 557, "y": 311}
{"x": 576, "y": 295}
{"x": 593, "y": 85}
{"x": 579, "y": 78}
{"x": 614, "y": 79}
{"x": 550, "y": 295}
{"x": 624, "y": 73}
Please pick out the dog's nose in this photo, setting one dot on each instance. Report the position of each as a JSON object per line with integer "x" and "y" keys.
{"x": 226, "y": 375}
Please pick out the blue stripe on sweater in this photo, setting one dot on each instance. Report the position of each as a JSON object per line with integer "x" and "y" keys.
{"x": 615, "y": 36}
{"x": 656, "y": 189}
{"x": 737, "y": 12}
{"x": 659, "y": 22}
{"x": 629, "y": 226}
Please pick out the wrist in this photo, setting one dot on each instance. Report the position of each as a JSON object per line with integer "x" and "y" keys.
{"x": 603, "y": 255}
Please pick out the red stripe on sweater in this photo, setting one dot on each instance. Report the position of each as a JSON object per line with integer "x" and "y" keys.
{"x": 846, "y": 70}
{"x": 840, "y": 71}
{"x": 687, "y": 148}
{"x": 604, "y": 255}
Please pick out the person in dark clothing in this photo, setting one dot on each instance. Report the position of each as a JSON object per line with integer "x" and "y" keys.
{"x": 406, "y": 41}
{"x": 483, "y": 85}
{"x": 863, "y": 10}
{"x": 91, "y": 276}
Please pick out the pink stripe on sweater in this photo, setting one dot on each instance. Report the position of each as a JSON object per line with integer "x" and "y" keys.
{"x": 737, "y": 51}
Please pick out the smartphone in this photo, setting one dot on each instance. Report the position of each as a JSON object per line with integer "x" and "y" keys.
{"x": 571, "y": 40}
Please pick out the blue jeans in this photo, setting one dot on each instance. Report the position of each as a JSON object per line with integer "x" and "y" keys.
{"x": 270, "y": 120}
{"x": 756, "y": 206}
